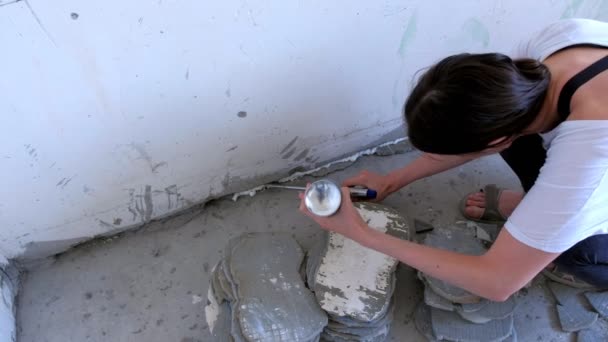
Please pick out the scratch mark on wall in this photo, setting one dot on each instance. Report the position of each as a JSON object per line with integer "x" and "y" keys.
{"x": 148, "y": 203}
{"x": 571, "y": 9}
{"x": 143, "y": 154}
{"x": 8, "y": 3}
{"x": 477, "y": 31}
{"x": 105, "y": 224}
{"x": 228, "y": 93}
{"x": 174, "y": 198}
{"x": 48, "y": 34}
{"x": 409, "y": 34}
{"x": 290, "y": 153}
{"x": 187, "y": 75}
{"x": 288, "y": 146}
{"x": 133, "y": 212}
{"x": 66, "y": 182}
{"x": 157, "y": 165}
{"x": 302, "y": 155}
{"x": 232, "y": 148}
{"x": 61, "y": 181}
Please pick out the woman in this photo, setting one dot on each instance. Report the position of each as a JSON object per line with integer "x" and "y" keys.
{"x": 547, "y": 114}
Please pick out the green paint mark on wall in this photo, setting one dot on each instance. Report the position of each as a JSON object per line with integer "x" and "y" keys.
{"x": 409, "y": 33}
{"x": 477, "y": 31}
{"x": 572, "y": 9}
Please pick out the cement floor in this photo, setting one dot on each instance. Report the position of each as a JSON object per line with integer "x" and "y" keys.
{"x": 151, "y": 285}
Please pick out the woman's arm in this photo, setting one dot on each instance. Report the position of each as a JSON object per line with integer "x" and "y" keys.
{"x": 424, "y": 166}
{"x": 496, "y": 275}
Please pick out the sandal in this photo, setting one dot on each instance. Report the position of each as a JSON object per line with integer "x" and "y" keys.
{"x": 558, "y": 276}
{"x": 491, "y": 215}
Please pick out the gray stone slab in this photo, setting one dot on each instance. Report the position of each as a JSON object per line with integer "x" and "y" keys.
{"x": 434, "y": 300}
{"x": 273, "y": 303}
{"x": 422, "y": 227}
{"x": 592, "y": 334}
{"x": 377, "y": 335}
{"x": 512, "y": 337}
{"x": 422, "y": 321}
{"x": 352, "y": 281}
{"x": 565, "y": 295}
{"x": 488, "y": 311}
{"x": 450, "y": 326}
{"x": 599, "y": 301}
{"x": 575, "y": 318}
{"x": 459, "y": 242}
{"x": 384, "y": 318}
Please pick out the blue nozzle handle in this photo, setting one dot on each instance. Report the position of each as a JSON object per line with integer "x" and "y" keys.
{"x": 363, "y": 193}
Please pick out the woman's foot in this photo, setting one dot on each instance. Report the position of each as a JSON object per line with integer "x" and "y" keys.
{"x": 507, "y": 202}
{"x": 552, "y": 272}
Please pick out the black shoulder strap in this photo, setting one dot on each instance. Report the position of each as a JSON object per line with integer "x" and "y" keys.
{"x": 563, "y": 103}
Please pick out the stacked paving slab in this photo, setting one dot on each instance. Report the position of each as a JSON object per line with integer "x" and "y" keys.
{"x": 353, "y": 284}
{"x": 257, "y": 292}
{"x": 449, "y": 313}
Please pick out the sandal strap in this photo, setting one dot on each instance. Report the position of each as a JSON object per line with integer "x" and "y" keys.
{"x": 492, "y": 195}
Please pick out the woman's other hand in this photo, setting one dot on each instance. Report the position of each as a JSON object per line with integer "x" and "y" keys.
{"x": 371, "y": 180}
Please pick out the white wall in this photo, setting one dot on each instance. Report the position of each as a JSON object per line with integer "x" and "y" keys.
{"x": 114, "y": 113}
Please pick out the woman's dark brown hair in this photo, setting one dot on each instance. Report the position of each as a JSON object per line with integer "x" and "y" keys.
{"x": 466, "y": 101}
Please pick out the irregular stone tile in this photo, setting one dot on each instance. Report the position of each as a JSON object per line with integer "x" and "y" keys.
{"x": 575, "y": 318}
{"x": 333, "y": 336}
{"x": 450, "y": 326}
{"x": 487, "y": 310}
{"x": 355, "y": 281}
{"x": 565, "y": 295}
{"x": 218, "y": 317}
{"x": 599, "y": 301}
{"x": 273, "y": 303}
{"x": 350, "y": 326}
{"x": 422, "y": 320}
{"x": 384, "y": 318}
{"x": 314, "y": 255}
{"x": 459, "y": 242}
{"x": 422, "y": 227}
{"x": 434, "y": 300}
{"x": 591, "y": 335}
{"x": 512, "y": 337}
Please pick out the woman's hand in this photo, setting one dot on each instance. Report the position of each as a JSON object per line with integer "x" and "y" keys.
{"x": 346, "y": 221}
{"x": 371, "y": 180}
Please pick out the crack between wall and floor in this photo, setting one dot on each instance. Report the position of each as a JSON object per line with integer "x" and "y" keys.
{"x": 350, "y": 159}
{"x": 333, "y": 166}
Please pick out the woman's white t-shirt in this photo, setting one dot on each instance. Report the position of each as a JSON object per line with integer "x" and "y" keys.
{"x": 569, "y": 201}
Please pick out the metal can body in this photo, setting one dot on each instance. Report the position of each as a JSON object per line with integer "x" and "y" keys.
{"x": 323, "y": 198}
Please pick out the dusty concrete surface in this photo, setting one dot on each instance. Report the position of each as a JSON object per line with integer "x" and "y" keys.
{"x": 151, "y": 285}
